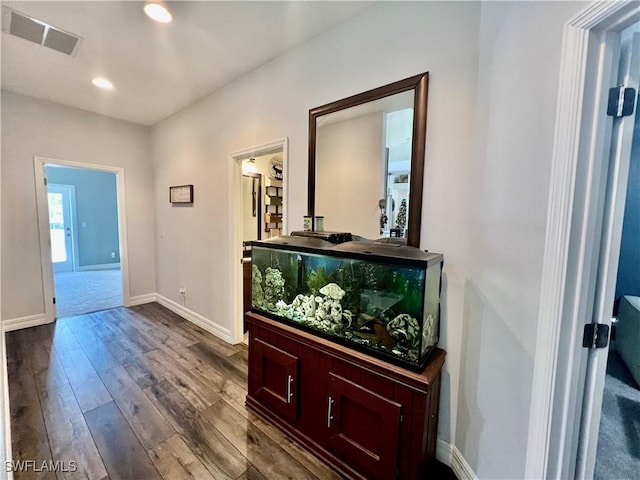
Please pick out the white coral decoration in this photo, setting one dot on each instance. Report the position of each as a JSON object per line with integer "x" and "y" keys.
{"x": 349, "y": 316}
{"x": 281, "y": 306}
{"x": 429, "y": 332}
{"x": 297, "y": 301}
{"x": 336, "y": 312}
{"x": 257, "y": 294}
{"x": 332, "y": 290}
{"x": 328, "y": 311}
{"x": 404, "y": 327}
{"x": 303, "y": 306}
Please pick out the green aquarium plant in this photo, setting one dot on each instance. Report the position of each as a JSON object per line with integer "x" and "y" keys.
{"x": 318, "y": 278}
{"x": 414, "y": 295}
{"x": 350, "y": 279}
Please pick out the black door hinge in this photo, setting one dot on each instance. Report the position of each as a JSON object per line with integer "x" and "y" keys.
{"x": 596, "y": 335}
{"x": 622, "y": 101}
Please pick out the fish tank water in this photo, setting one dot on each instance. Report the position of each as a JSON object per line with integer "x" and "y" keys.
{"x": 379, "y": 298}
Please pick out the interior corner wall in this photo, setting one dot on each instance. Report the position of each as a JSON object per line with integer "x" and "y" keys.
{"x": 32, "y": 127}
{"x": 387, "y": 42}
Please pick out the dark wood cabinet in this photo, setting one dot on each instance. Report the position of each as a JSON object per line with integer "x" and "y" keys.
{"x": 363, "y": 427}
{"x": 275, "y": 379}
{"x": 367, "y": 418}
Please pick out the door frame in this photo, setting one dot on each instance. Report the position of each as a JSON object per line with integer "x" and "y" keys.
{"x": 235, "y": 222}
{"x": 581, "y": 148}
{"x": 39, "y": 164}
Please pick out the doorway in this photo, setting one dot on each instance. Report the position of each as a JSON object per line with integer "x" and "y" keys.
{"x": 618, "y": 443}
{"x": 258, "y": 185}
{"x": 588, "y": 178}
{"x": 251, "y": 200}
{"x": 81, "y": 222}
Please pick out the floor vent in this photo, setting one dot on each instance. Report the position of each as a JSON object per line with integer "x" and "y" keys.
{"x": 37, "y": 31}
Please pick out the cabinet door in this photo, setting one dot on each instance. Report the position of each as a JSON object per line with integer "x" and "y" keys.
{"x": 277, "y": 379}
{"x": 364, "y": 428}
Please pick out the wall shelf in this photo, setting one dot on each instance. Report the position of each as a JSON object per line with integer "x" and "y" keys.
{"x": 274, "y": 204}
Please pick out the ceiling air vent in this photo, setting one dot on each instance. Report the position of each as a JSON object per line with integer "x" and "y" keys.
{"x": 37, "y": 31}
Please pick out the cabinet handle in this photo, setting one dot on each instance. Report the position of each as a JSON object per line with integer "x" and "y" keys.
{"x": 289, "y": 390}
{"x": 329, "y": 410}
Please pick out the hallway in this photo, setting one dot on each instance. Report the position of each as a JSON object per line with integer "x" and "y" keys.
{"x": 141, "y": 393}
{"x": 87, "y": 291}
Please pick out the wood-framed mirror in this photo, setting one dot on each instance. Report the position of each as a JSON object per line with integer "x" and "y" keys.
{"x": 366, "y": 161}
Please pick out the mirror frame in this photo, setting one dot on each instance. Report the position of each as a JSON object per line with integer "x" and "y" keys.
{"x": 419, "y": 84}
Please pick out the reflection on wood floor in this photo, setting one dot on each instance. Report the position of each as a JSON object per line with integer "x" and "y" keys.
{"x": 140, "y": 393}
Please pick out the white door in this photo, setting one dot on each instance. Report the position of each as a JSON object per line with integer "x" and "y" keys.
{"x": 621, "y": 140}
{"x": 61, "y": 227}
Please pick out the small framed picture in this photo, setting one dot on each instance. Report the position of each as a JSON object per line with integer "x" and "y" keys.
{"x": 181, "y": 194}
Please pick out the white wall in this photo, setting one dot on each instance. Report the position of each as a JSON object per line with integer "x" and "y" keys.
{"x": 508, "y": 182}
{"x": 33, "y": 127}
{"x": 349, "y": 174}
{"x": 386, "y": 43}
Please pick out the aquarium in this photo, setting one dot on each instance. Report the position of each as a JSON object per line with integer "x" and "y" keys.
{"x": 379, "y": 298}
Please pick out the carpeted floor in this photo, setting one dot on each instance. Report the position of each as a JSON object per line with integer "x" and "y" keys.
{"x": 87, "y": 291}
{"x": 618, "y": 455}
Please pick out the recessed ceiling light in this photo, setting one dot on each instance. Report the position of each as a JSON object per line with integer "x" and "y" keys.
{"x": 102, "y": 83}
{"x": 158, "y": 12}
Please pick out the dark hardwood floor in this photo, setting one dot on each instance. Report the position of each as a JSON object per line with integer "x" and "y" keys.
{"x": 140, "y": 393}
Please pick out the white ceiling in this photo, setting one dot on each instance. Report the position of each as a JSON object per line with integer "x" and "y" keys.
{"x": 157, "y": 69}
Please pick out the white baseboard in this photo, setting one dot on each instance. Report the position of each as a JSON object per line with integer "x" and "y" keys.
{"x": 196, "y": 318}
{"x": 142, "y": 299}
{"x": 451, "y": 456}
{"x": 24, "y": 322}
{"x": 444, "y": 451}
{"x": 101, "y": 266}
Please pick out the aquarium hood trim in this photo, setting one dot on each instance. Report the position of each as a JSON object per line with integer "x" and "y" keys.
{"x": 359, "y": 250}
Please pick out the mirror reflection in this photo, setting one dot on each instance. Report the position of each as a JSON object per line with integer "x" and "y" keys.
{"x": 366, "y": 162}
{"x": 363, "y": 167}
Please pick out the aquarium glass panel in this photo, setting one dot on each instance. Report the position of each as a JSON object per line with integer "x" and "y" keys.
{"x": 390, "y": 310}
{"x": 431, "y": 322}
